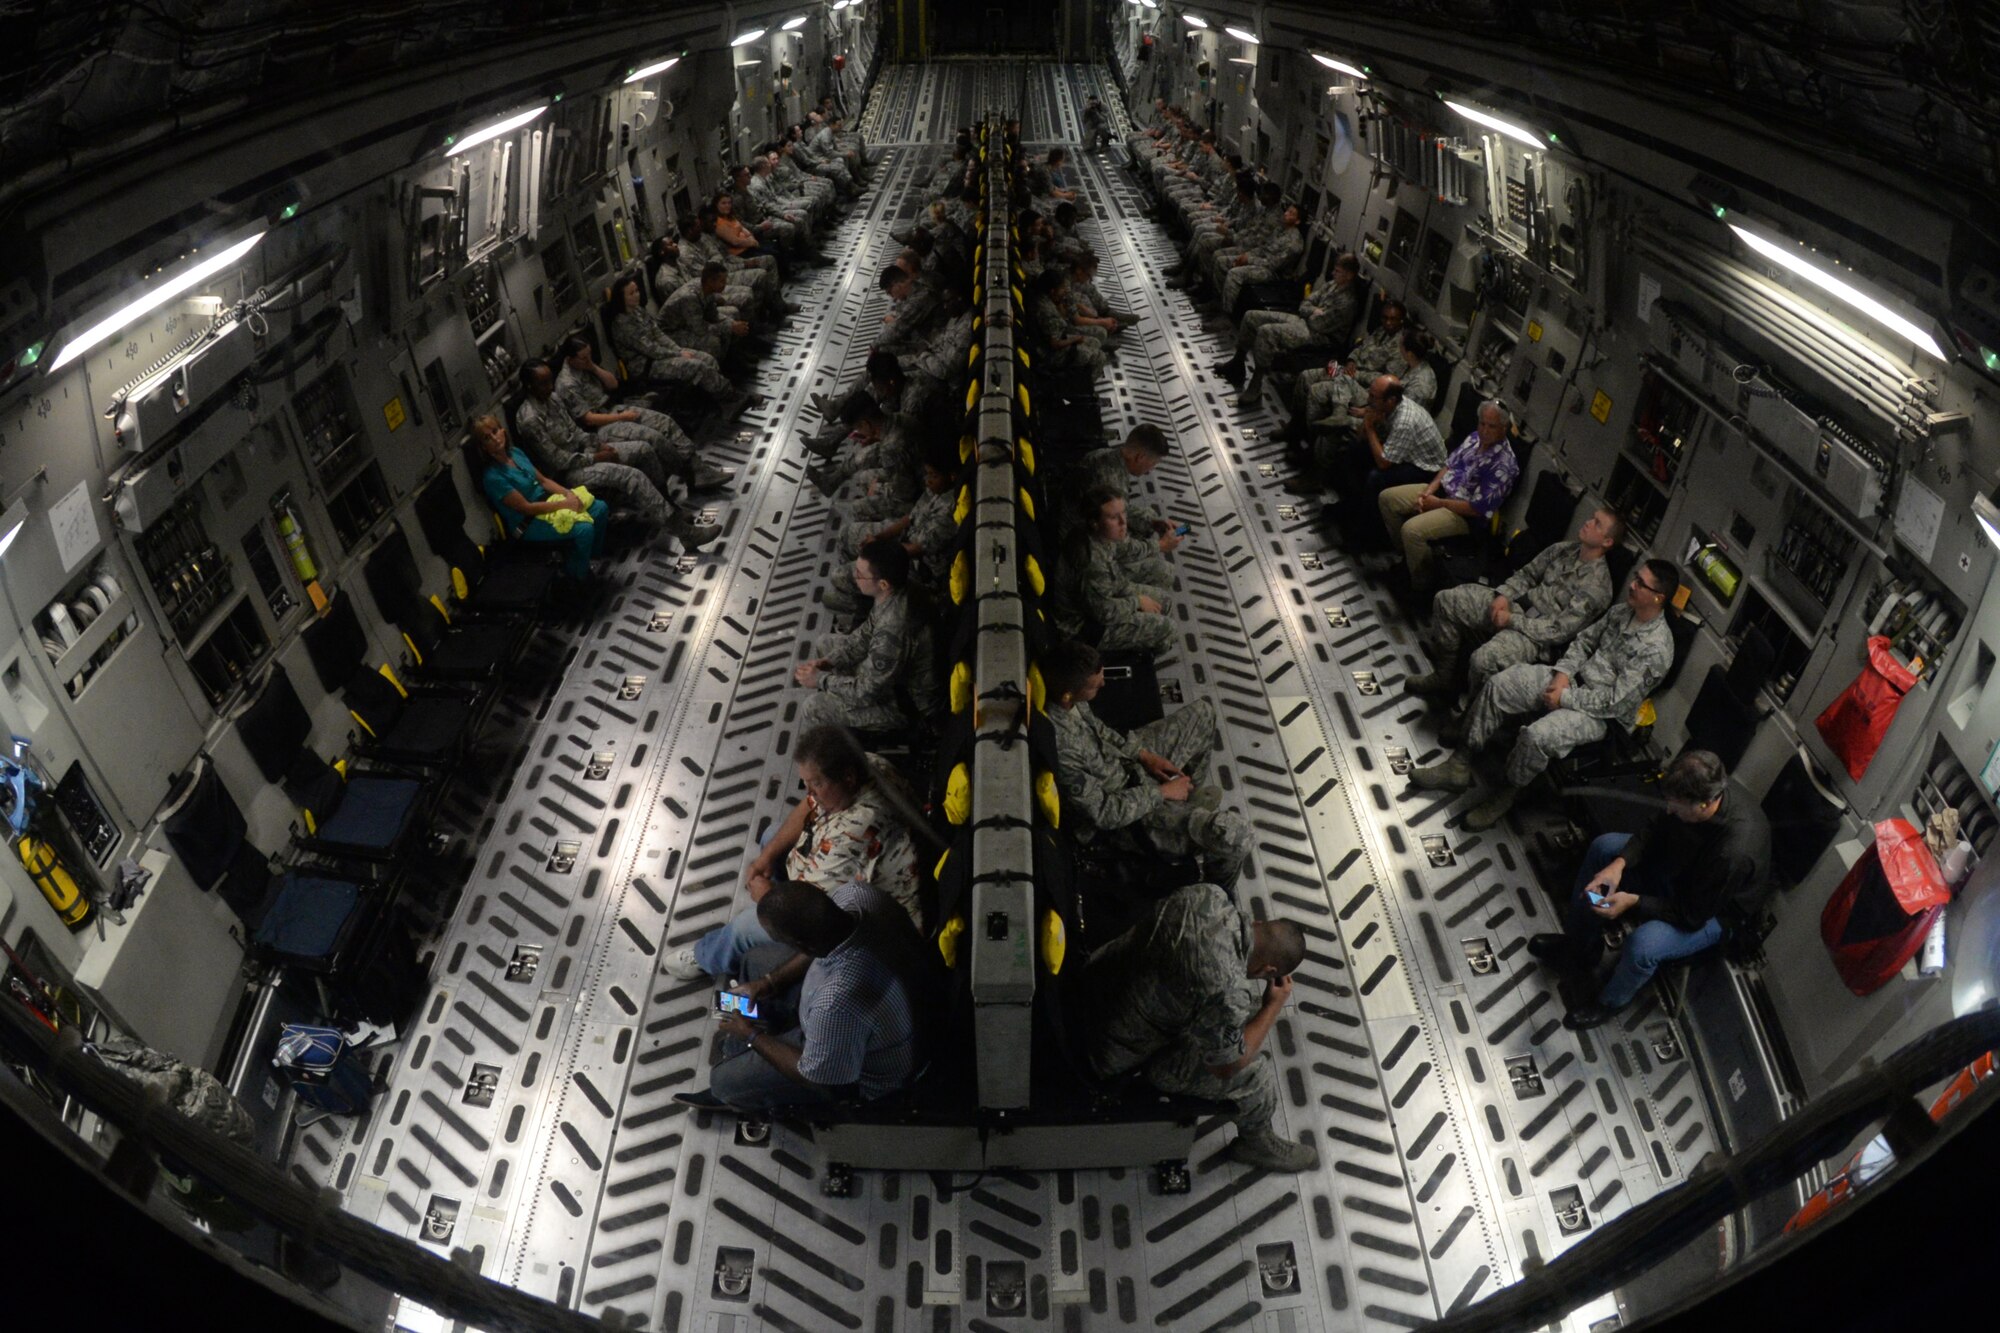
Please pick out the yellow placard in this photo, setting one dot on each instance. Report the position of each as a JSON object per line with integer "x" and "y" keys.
{"x": 1534, "y": 332}
{"x": 393, "y": 413}
{"x": 1600, "y": 407}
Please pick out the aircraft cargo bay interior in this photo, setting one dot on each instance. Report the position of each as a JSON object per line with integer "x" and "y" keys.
{"x": 876, "y": 666}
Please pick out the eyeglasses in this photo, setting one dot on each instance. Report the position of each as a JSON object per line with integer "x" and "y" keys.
{"x": 1638, "y": 582}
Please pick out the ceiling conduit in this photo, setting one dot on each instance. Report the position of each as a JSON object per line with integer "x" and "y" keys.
{"x": 1889, "y": 389}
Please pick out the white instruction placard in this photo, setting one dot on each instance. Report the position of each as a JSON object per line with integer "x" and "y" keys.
{"x": 1649, "y": 292}
{"x": 75, "y": 522}
{"x": 1919, "y": 513}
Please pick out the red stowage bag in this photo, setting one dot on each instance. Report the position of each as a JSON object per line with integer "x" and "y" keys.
{"x": 1878, "y": 917}
{"x": 1854, "y": 724}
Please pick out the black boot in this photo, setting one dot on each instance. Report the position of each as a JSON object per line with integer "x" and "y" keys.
{"x": 1231, "y": 370}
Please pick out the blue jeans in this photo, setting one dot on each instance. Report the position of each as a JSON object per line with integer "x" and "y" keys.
{"x": 1650, "y": 943}
{"x": 749, "y": 1082}
{"x": 721, "y": 951}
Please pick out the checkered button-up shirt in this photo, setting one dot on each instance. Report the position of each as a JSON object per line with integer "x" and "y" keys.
{"x": 855, "y": 1011}
{"x": 1414, "y": 438}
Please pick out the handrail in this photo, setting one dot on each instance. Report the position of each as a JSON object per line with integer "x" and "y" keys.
{"x": 152, "y": 1130}
{"x": 1630, "y": 1244}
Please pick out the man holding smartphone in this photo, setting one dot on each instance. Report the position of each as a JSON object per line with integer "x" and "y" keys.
{"x": 1697, "y": 869}
{"x": 842, "y": 1018}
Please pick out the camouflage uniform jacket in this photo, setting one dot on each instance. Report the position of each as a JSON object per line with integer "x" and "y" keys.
{"x": 641, "y": 342}
{"x": 1378, "y": 353}
{"x": 1106, "y": 467}
{"x": 1556, "y": 594}
{"x": 885, "y": 662}
{"x": 1173, "y": 986}
{"x": 692, "y": 313}
{"x": 1329, "y": 311}
{"x": 1615, "y": 663}
{"x": 552, "y": 439}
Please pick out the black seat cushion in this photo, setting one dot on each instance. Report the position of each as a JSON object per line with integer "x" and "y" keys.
{"x": 274, "y": 729}
{"x": 429, "y": 728}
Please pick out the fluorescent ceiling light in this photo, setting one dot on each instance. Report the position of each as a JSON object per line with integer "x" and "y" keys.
{"x": 745, "y": 38}
{"x": 1150, "y": 4}
{"x": 1340, "y": 66}
{"x": 1244, "y": 35}
{"x": 478, "y": 137}
{"x": 16, "y": 518}
{"x": 1241, "y": 60}
{"x": 1506, "y": 127}
{"x": 152, "y": 300}
{"x": 1983, "y": 509}
{"x": 793, "y": 25}
{"x": 648, "y": 71}
{"x": 1194, "y": 21}
{"x": 1790, "y": 257}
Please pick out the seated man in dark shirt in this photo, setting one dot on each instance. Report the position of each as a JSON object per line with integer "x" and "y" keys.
{"x": 849, "y": 1005}
{"x": 1698, "y": 869}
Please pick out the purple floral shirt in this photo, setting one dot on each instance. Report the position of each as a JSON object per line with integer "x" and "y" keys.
{"x": 1486, "y": 477}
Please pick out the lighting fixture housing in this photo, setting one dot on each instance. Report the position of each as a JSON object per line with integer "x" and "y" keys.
{"x": 11, "y": 523}
{"x": 1340, "y": 66}
{"x": 648, "y": 71}
{"x": 1194, "y": 20}
{"x": 1797, "y": 261}
{"x": 1519, "y": 133}
{"x": 152, "y": 300}
{"x": 745, "y": 38}
{"x": 792, "y": 25}
{"x": 493, "y": 131}
{"x": 1983, "y": 509}
{"x": 1245, "y": 35}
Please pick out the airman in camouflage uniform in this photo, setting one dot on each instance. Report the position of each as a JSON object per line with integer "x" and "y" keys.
{"x": 881, "y": 676}
{"x": 1189, "y": 994}
{"x": 1325, "y": 393}
{"x": 1143, "y": 552}
{"x": 1324, "y": 316}
{"x": 1069, "y": 346}
{"x": 1109, "y": 596}
{"x": 1529, "y": 618}
{"x": 580, "y": 391}
{"x": 1275, "y": 259}
{"x": 691, "y": 316}
{"x": 1114, "y": 782}
{"x": 649, "y": 354}
{"x": 1599, "y": 682}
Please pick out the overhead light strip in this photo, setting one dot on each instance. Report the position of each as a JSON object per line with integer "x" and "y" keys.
{"x": 648, "y": 71}
{"x": 745, "y": 38}
{"x": 1245, "y": 35}
{"x": 153, "y": 300}
{"x": 1340, "y": 66}
{"x": 792, "y": 25}
{"x": 1506, "y": 127}
{"x": 1791, "y": 258}
{"x": 478, "y": 137}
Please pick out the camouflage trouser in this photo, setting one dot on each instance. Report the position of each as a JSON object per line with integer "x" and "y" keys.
{"x": 1254, "y": 1088}
{"x": 656, "y": 453}
{"x": 1269, "y": 334}
{"x": 1461, "y": 623}
{"x": 1187, "y": 736}
{"x": 1086, "y": 355}
{"x": 1138, "y": 630}
{"x": 1516, "y": 691}
{"x": 699, "y": 371}
{"x": 1237, "y": 279}
{"x": 1332, "y": 395}
{"x": 824, "y": 709}
{"x": 625, "y": 487}
{"x": 1142, "y": 562}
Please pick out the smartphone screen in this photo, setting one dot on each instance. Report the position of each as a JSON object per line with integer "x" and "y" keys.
{"x": 1181, "y": 531}
{"x": 1596, "y": 899}
{"x": 729, "y": 1002}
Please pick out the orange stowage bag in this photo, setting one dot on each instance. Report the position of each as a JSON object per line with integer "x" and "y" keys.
{"x": 1854, "y": 724}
